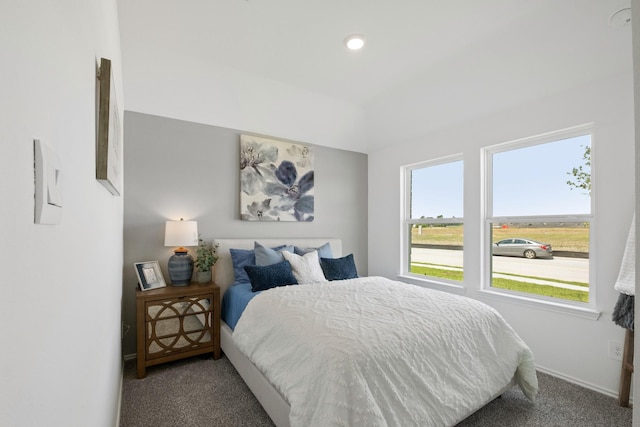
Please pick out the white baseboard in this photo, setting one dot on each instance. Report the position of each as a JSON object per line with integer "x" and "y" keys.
{"x": 128, "y": 357}
{"x": 119, "y": 411}
{"x": 582, "y": 383}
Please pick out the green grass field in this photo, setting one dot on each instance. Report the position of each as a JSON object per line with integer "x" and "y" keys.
{"x": 575, "y": 239}
{"x": 571, "y": 238}
{"x": 514, "y": 285}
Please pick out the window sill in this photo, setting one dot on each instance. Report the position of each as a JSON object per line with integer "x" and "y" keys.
{"x": 589, "y": 313}
{"x": 433, "y": 284}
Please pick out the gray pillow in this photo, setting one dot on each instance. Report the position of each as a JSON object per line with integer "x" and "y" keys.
{"x": 324, "y": 251}
{"x": 268, "y": 256}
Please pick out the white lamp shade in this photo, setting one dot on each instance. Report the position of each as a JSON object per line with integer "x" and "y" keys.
{"x": 181, "y": 233}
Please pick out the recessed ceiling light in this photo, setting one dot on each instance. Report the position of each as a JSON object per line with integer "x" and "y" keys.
{"x": 354, "y": 41}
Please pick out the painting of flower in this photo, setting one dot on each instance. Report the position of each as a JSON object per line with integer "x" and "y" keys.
{"x": 276, "y": 180}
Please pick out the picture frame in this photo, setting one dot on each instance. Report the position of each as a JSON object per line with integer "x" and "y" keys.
{"x": 109, "y": 133}
{"x": 149, "y": 275}
{"x": 276, "y": 180}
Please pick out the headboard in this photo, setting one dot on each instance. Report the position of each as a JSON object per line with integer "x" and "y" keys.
{"x": 223, "y": 274}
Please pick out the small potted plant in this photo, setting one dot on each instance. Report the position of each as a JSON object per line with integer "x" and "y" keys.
{"x": 206, "y": 258}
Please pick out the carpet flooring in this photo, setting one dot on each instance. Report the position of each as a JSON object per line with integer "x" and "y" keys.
{"x": 206, "y": 392}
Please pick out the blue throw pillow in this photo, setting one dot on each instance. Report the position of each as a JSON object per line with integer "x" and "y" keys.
{"x": 324, "y": 251}
{"x": 268, "y": 256}
{"x": 270, "y": 276}
{"x": 339, "y": 268}
{"x": 240, "y": 258}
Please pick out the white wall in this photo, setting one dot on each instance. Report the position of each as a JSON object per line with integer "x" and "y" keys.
{"x": 193, "y": 89}
{"x": 60, "y": 363}
{"x": 571, "y": 347}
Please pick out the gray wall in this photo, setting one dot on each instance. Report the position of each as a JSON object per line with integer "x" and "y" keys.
{"x": 176, "y": 169}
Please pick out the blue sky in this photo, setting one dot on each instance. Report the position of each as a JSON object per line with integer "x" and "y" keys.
{"x": 527, "y": 181}
{"x": 437, "y": 190}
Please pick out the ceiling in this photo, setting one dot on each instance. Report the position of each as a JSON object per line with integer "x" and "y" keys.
{"x": 435, "y": 46}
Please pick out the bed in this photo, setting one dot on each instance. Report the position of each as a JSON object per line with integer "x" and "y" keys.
{"x": 450, "y": 357}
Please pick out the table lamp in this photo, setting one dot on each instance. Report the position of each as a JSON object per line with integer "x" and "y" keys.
{"x": 181, "y": 233}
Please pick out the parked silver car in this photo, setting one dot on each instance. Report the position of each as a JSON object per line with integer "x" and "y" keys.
{"x": 522, "y": 247}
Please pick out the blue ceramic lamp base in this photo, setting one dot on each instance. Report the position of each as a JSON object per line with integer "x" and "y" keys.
{"x": 180, "y": 268}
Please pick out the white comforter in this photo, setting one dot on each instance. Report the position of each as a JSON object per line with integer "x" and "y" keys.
{"x": 374, "y": 352}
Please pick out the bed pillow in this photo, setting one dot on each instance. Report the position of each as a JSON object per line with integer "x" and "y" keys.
{"x": 324, "y": 251}
{"x": 268, "y": 256}
{"x": 339, "y": 268}
{"x": 240, "y": 258}
{"x": 306, "y": 268}
{"x": 263, "y": 277}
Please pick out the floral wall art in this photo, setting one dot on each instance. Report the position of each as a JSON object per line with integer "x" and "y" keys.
{"x": 276, "y": 180}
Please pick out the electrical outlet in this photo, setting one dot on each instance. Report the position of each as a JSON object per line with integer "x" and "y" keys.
{"x": 124, "y": 329}
{"x": 615, "y": 350}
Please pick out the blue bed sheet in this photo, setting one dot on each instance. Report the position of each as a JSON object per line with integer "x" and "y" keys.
{"x": 234, "y": 300}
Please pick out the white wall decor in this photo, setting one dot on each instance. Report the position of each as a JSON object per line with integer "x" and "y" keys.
{"x": 48, "y": 183}
{"x": 276, "y": 180}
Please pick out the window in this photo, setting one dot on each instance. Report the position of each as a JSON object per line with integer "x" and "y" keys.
{"x": 539, "y": 216}
{"x": 433, "y": 220}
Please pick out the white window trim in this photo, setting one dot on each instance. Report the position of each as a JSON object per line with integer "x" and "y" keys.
{"x": 556, "y": 306}
{"x": 405, "y": 220}
{"x": 431, "y": 283}
{"x": 580, "y": 130}
{"x": 585, "y": 310}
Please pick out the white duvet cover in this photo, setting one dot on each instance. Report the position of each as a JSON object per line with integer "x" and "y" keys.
{"x": 374, "y": 352}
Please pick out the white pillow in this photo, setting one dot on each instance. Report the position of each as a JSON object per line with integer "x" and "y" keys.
{"x": 306, "y": 268}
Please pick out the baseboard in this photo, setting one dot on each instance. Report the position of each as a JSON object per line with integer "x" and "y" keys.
{"x": 119, "y": 411}
{"x": 581, "y": 383}
{"x": 128, "y": 357}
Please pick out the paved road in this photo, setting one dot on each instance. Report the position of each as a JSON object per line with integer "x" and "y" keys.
{"x": 560, "y": 268}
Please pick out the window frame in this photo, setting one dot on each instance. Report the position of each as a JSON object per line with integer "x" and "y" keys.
{"x": 581, "y": 309}
{"x": 406, "y": 222}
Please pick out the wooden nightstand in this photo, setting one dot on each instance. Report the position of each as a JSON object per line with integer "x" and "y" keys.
{"x": 177, "y": 322}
